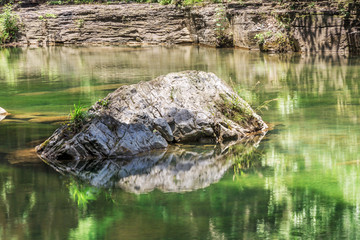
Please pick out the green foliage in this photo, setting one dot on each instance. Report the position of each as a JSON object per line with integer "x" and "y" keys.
{"x": 46, "y": 16}
{"x": 59, "y": 2}
{"x": 233, "y": 109}
{"x": 50, "y": 15}
{"x": 64, "y": 2}
{"x": 80, "y": 23}
{"x": 165, "y": 2}
{"x": 172, "y": 92}
{"x": 190, "y": 2}
{"x": 82, "y": 194}
{"x": 244, "y": 158}
{"x": 78, "y": 115}
{"x": 282, "y": 42}
{"x": 221, "y": 25}
{"x": 283, "y": 20}
{"x": 83, "y": 1}
{"x": 265, "y": 105}
{"x": 9, "y": 25}
{"x": 261, "y": 39}
{"x": 103, "y": 102}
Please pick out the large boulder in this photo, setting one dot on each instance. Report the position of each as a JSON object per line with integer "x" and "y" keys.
{"x": 189, "y": 106}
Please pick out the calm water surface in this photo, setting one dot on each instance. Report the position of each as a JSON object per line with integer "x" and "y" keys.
{"x": 302, "y": 183}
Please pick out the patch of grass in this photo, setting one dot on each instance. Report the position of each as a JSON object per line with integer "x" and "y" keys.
{"x": 172, "y": 92}
{"x": 223, "y": 38}
{"x": 265, "y": 105}
{"x": 261, "y": 40}
{"x": 233, "y": 109}
{"x": 165, "y": 2}
{"x": 103, "y": 102}
{"x": 55, "y": 2}
{"x": 83, "y": 1}
{"x": 9, "y": 25}
{"x": 78, "y": 116}
{"x": 80, "y": 23}
{"x": 50, "y": 15}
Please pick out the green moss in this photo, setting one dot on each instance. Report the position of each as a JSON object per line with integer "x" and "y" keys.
{"x": 44, "y": 144}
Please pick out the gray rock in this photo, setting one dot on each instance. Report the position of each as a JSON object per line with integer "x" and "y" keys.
{"x": 189, "y": 106}
{"x": 163, "y": 127}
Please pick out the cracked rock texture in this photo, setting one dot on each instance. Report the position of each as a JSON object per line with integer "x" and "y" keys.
{"x": 191, "y": 106}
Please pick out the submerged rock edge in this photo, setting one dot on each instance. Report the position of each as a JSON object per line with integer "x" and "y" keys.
{"x": 3, "y": 113}
{"x": 190, "y": 106}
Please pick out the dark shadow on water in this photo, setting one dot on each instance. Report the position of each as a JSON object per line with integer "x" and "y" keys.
{"x": 179, "y": 168}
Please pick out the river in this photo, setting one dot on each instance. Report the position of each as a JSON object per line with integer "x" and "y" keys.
{"x": 300, "y": 182}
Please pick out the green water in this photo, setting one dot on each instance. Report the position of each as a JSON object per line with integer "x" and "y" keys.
{"x": 304, "y": 185}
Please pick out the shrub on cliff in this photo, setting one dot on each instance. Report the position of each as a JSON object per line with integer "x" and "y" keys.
{"x": 9, "y": 25}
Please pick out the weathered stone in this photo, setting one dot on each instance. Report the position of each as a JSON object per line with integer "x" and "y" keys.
{"x": 179, "y": 107}
{"x": 163, "y": 127}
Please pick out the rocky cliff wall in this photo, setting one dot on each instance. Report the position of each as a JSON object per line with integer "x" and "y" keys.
{"x": 262, "y": 26}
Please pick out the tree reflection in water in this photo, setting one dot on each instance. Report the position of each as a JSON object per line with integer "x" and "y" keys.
{"x": 303, "y": 184}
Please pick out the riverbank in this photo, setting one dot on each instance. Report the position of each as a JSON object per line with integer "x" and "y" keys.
{"x": 266, "y": 26}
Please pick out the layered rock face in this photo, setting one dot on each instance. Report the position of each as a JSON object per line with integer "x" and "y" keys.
{"x": 188, "y": 106}
{"x": 252, "y": 25}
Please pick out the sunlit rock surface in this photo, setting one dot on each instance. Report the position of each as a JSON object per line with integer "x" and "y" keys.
{"x": 3, "y": 113}
{"x": 189, "y": 106}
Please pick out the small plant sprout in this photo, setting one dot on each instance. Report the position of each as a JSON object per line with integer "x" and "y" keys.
{"x": 221, "y": 24}
{"x": 80, "y": 23}
{"x": 77, "y": 116}
{"x": 103, "y": 102}
{"x": 50, "y": 15}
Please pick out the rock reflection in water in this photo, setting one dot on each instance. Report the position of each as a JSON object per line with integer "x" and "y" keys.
{"x": 179, "y": 168}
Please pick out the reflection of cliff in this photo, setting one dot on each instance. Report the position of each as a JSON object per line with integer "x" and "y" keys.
{"x": 177, "y": 169}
